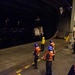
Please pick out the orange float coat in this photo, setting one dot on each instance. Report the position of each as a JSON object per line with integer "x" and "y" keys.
{"x": 51, "y": 55}
{"x": 37, "y": 51}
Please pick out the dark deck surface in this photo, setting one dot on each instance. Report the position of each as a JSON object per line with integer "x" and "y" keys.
{"x": 15, "y": 60}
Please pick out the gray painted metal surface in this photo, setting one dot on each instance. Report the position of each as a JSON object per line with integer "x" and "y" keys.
{"x": 14, "y": 59}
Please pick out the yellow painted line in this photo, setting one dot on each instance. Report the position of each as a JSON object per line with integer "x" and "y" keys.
{"x": 32, "y": 63}
{"x": 67, "y": 38}
{"x": 26, "y": 67}
{"x": 19, "y": 74}
{"x": 18, "y": 71}
{"x": 39, "y": 60}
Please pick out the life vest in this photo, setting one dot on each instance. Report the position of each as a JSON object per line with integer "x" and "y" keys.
{"x": 37, "y": 51}
{"x": 43, "y": 40}
{"x": 48, "y": 56}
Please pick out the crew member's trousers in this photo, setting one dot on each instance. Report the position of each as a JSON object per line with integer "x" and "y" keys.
{"x": 74, "y": 47}
{"x": 35, "y": 60}
{"x": 48, "y": 67}
{"x": 42, "y": 47}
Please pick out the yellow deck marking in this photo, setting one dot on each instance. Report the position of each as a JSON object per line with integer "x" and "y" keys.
{"x": 39, "y": 60}
{"x": 19, "y": 74}
{"x": 18, "y": 71}
{"x": 32, "y": 63}
{"x": 26, "y": 67}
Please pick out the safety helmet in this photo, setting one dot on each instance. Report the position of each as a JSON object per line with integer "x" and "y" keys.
{"x": 50, "y": 48}
{"x": 51, "y": 41}
{"x": 36, "y": 45}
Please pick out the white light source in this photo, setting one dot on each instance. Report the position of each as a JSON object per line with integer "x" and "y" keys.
{"x": 61, "y": 10}
{"x": 71, "y": 7}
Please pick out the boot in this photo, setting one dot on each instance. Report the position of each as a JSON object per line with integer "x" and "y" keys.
{"x": 35, "y": 67}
